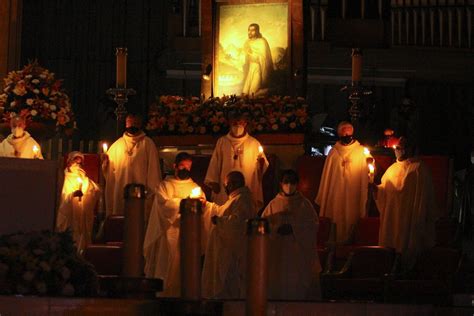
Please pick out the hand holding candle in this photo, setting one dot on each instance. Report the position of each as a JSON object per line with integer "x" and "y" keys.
{"x": 370, "y": 163}
{"x": 78, "y": 192}
{"x": 260, "y": 159}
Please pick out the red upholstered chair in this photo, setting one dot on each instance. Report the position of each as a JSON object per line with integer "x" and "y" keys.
{"x": 270, "y": 179}
{"x": 364, "y": 233}
{"x": 107, "y": 259}
{"x": 431, "y": 280}
{"x": 113, "y": 229}
{"x": 309, "y": 170}
{"x": 198, "y": 172}
{"x": 442, "y": 171}
{"x": 363, "y": 275}
{"x": 91, "y": 166}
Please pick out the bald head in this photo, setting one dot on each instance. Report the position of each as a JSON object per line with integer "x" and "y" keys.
{"x": 233, "y": 181}
{"x": 345, "y": 128}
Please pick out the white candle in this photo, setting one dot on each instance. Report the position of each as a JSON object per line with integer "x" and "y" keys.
{"x": 260, "y": 151}
{"x": 79, "y": 181}
{"x": 105, "y": 147}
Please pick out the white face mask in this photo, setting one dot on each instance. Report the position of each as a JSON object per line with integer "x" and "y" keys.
{"x": 17, "y": 131}
{"x": 237, "y": 130}
{"x": 288, "y": 188}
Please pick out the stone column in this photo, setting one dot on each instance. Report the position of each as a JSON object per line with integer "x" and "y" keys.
{"x": 257, "y": 266}
{"x": 133, "y": 262}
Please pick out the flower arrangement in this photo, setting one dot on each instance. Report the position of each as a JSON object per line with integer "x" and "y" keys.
{"x": 177, "y": 115}
{"x": 44, "y": 263}
{"x": 35, "y": 94}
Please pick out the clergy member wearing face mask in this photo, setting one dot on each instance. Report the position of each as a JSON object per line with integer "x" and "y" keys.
{"x": 343, "y": 188}
{"x": 78, "y": 201}
{"x": 294, "y": 269}
{"x": 133, "y": 158}
{"x": 237, "y": 151}
{"x": 19, "y": 144}
{"x": 223, "y": 274}
{"x": 161, "y": 245}
{"x": 406, "y": 201}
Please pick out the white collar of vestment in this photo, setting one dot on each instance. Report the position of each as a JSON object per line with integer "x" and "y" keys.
{"x": 239, "y": 191}
{"x": 237, "y": 140}
{"x": 134, "y": 138}
{"x": 175, "y": 180}
{"x": 12, "y": 140}
{"x": 344, "y": 149}
{"x": 294, "y": 197}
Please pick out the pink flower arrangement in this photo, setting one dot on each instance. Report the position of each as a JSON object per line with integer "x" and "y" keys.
{"x": 178, "y": 115}
{"x": 34, "y": 93}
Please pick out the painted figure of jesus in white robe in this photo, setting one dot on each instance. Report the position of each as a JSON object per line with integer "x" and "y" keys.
{"x": 258, "y": 63}
{"x": 133, "y": 158}
{"x": 406, "y": 201}
{"x": 161, "y": 245}
{"x": 342, "y": 194}
{"x": 20, "y": 144}
{"x": 79, "y": 199}
{"x": 237, "y": 151}
{"x": 223, "y": 274}
{"x": 293, "y": 260}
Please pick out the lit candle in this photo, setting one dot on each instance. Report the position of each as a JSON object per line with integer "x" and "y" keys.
{"x": 260, "y": 151}
{"x": 35, "y": 151}
{"x": 366, "y": 152}
{"x": 371, "y": 172}
{"x": 105, "y": 147}
{"x": 196, "y": 193}
{"x": 121, "y": 70}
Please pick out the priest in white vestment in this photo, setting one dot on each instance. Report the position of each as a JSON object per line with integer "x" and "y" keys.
{"x": 224, "y": 270}
{"x": 161, "y": 246}
{"x": 293, "y": 259}
{"x": 133, "y": 158}
{"x": 237, "y": 151}
{"x": 79, "y": 199}
{"x": 406, "y": 201}
{"x": 19, "y": 144}
{"x": 342, "y": 194}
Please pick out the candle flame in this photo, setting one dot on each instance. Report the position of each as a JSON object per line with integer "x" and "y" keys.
{"x": 35, "y": 149}
{"x": 105, "y": 147}
{"x": 79, "y": 180}
{"x": 366, "y": 151}
{"x": 196, "y": 193}
{"x": 260, "y": 149}
{"x": 371, "y": 168}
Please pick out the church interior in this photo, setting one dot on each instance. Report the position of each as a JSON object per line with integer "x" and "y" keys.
{"x": 230, "y": 157}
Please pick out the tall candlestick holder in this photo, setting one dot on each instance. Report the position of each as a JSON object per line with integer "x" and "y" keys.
{"x": 120, "y": 96}
{"x": 356, "y": 91}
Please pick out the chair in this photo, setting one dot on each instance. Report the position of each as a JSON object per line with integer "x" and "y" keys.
{"x": 364, "y": 233}
{"x": 363, "y": 275}
{"x": 430, "y": 281}
{"x": 309, "y": 170}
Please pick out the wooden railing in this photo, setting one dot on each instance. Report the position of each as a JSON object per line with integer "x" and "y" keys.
{"x": 56, "y": 147}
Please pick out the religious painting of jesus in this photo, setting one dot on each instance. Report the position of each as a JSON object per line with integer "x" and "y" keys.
{"x": 252, "y": 49}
